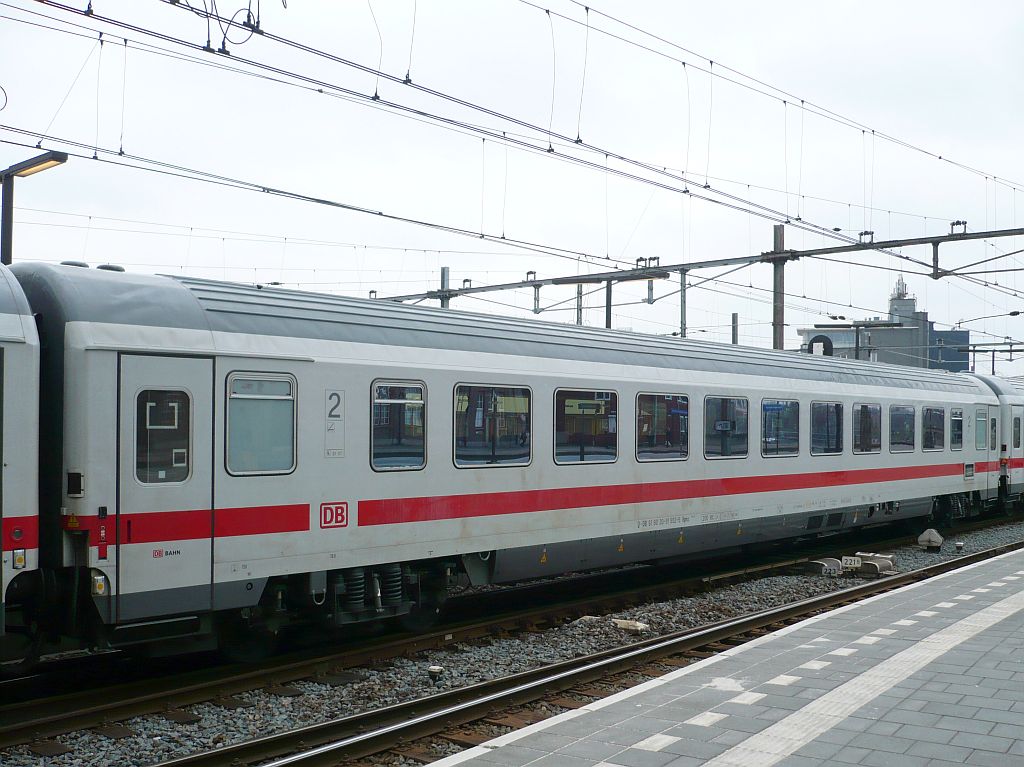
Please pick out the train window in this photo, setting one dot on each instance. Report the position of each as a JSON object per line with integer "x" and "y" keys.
{"x": 980, "y": 429}
{"x": 956, "y": 428}
{"x": 933, "y": 428}
{"x": 398, "y": 433}
{"x": 261, "y": 424}
{"x": 867, "y": 428}
{"x": 992, "y": 432}
{"x": 662, "y": 427}
{"x": 162, "y": 436}
{"x": 826, "y": 428}
{"x": 901, "y": 428}
{"x": 780, "y": 427}
{"x": 725, "y": 427}
{"x": 492, "y": 426}
{"x": 1016, "y": 432}
{"x": 586, "y": 426}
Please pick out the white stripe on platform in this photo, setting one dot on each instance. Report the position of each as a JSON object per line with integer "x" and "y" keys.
{"x": 782, "y": 739}
{"x": 456, "y": 760}
{"x": 656, "y": 742}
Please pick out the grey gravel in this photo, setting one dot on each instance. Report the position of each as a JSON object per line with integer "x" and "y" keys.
{"x": 404, "y": 678}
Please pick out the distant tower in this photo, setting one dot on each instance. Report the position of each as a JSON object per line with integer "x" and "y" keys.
{"x": 901, "y": 288}
{"x": 902, "y": 305}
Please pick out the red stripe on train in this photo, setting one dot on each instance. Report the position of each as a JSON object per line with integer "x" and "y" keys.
{"x": 261, "y": 520}
{"x": 157, "y": 526}
{"x": 391, "y": 511}
{"x": 20, "y": 533}
{"x": 198, "y": 524}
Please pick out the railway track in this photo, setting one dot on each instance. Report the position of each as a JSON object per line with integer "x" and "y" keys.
{"x": 38, "y": 721}
{"x": 451, "y": 715}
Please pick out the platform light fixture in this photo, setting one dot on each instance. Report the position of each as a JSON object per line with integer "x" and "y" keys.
{"x": 1014, "y": 313}
{"x": 20, "y": 170}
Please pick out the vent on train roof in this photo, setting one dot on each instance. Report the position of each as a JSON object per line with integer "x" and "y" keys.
{"x": 81, "y": 264}
{"x": 111, "y": 267}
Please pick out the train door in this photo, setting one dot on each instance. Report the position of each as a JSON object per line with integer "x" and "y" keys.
{"x": 165, "y": 486}
{"x": 1016, "y": 449}
{"x": 992, "y": 481}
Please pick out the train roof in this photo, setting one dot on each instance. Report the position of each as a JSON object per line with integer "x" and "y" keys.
{"x": 1003, "y": 386}
{"x": 73, "y": 293}
{"x": 12, "y": 304}
{"x": 12, "y": 299}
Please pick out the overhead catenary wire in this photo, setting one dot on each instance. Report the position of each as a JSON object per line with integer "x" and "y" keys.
{"x": 124, "y": 88}
{"x": 730, "y": 202}
{"x": 765, "y": 89}
{"x": 412, "y": 40}
{"x": 74, "y": 82}
{"x": 137, "y": 162}
{"x": 766, "y": 212}
{"x": 865, "y": 206}
{"x": 583, "y": 80}
{"x": 469, "y": 129}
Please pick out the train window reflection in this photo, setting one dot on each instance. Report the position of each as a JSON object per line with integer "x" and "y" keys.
{"x": 662, "y": 427}
{"x": 261, "y": 424}
{"x": 492, "y": 426}
{"x": 956, "y": 428}
{"x": 980, "y": 429}
{"x": 933, "y": 428}
{"x": 826, "y": 428}
{"x": 867, "y": 428}
{"x": 586, "y": 426}
{"x": 398, "y": 435}
{"x": 780, "y": 427}
{"x": 901, "y": 428}
{"x": 162, "y": 436}
{"x": 725, "y": 427}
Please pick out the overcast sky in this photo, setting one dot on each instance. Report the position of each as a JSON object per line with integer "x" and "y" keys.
{"x": 781, "y": 122}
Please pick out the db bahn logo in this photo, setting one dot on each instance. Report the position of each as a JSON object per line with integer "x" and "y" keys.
{"x": 334, "y": 514}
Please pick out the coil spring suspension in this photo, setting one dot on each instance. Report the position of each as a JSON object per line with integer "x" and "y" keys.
{"x": 391, "y": 584}
{"x": 355, "y": 589}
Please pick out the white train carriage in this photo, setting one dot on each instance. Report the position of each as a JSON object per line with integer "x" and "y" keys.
{"x": 234, "y": 458}
{"x": 19, "y": 450}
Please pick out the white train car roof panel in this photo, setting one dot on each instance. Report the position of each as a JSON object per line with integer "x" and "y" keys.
{"x": 97, "y": 296}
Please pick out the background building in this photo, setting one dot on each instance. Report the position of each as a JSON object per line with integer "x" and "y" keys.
{"x": 909, "y": 339}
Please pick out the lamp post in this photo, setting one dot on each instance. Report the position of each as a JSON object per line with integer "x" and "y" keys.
{"x": 20, "y": 170}
{"x": 1014, "y": 313}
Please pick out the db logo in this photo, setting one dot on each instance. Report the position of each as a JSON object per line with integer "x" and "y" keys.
{"x": 158, "y": 553}
{"x": 334, "y": 514}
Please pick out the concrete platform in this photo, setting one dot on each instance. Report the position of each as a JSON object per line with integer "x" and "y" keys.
{"x": 928, "y": 675}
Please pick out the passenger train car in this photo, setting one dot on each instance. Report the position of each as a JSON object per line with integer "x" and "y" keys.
{"x": 218, "y": 460}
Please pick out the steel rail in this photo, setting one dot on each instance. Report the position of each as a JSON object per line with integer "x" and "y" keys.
{"x": 33, "y": 720}
{"x": 375, "y": 731}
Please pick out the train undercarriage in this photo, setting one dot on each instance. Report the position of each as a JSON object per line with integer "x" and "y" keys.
{"x": 52, "y": 611}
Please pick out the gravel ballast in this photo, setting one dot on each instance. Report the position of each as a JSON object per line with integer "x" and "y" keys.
{"x": 402, "y": 679}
